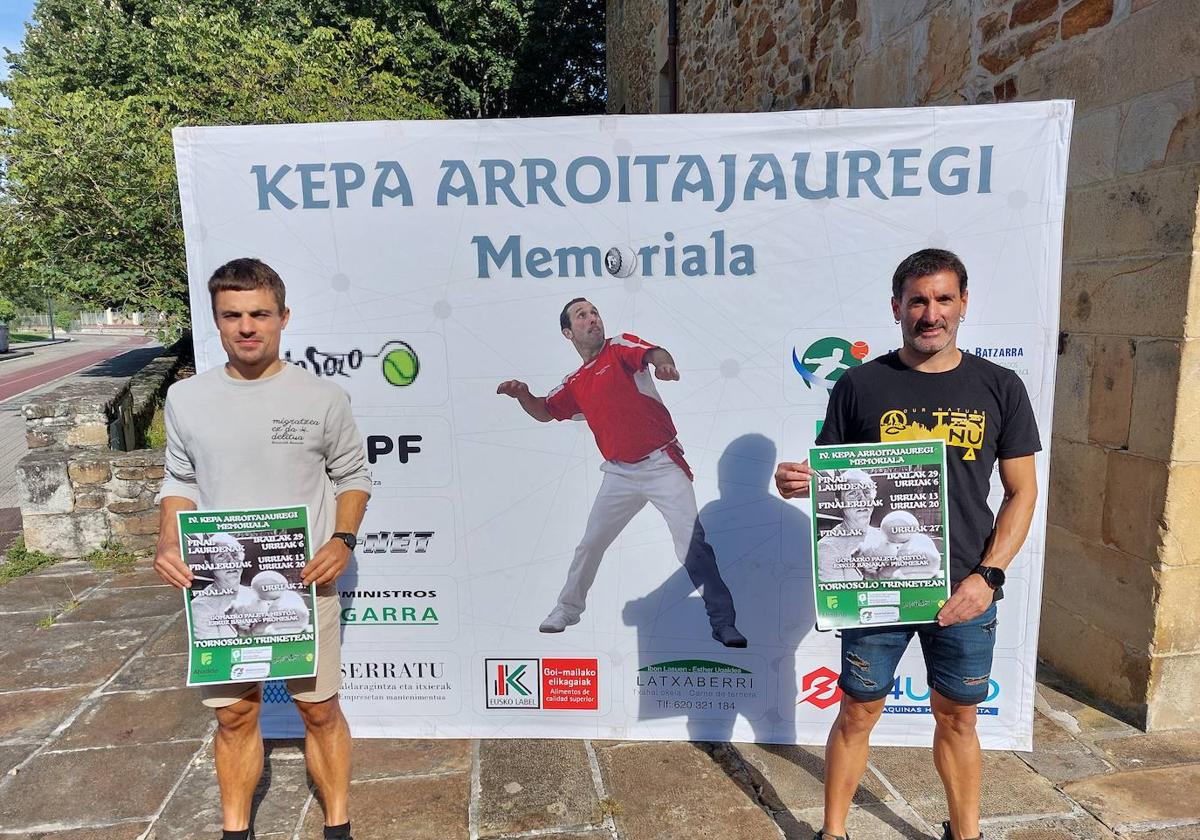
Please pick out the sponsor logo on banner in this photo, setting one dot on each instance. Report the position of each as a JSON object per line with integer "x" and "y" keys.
{"x": 386, "y": 683}
{"x": 553, "y": 683}
{"x": 409, "y": 452}
{"x": 825, "y": 360}
{"x": 275, "y": 692}
{"x": 700, "y": 687}
{"x": 413, "y": 531}
{"x": 1013, "y": 357}
{"x": 403, "y": 447}
{"x": 820, "y": 688}
{"x": 395, "y": 542}
{"x": 394, "y": 607}
{"x": 570, "y": 684}
{"x": 512, "y": 683}
{"x": 910, "y": 696}
{"x": 395, "y": 363}
{"x": 375, "y": 612}
{"x": 405, "y": 670}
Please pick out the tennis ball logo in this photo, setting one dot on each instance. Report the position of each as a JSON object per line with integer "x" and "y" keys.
{"x": 400, "y": 365}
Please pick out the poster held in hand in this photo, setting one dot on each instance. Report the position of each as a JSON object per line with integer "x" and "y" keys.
{"x": 250, "y": 616}
{"x": 880, "y": 533}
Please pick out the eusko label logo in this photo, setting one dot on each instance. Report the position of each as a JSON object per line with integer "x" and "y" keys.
{"x": 512, "y": 683}
{"x": 820, "y": 688}
{"x": 825, "y": 360}
{"x": 397, "y": 362}
{"x": 546, "y": 683}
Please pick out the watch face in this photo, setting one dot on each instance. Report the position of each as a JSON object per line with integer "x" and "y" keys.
{"x": 349, "y": 539}
{"x": 993, "y": 576}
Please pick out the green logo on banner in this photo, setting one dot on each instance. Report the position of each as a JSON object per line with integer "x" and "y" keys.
{"x": 826, "y": 359}
{"x": 513, "y": 681}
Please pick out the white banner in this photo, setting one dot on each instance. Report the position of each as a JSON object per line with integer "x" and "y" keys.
{"x": 427, "y": 262}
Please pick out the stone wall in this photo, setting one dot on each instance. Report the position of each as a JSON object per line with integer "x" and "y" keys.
{"x": 1123, "y": 548}
{"x": 79, "y": 486}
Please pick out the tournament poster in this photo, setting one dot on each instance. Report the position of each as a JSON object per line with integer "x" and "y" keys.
{"x": 880, "y": 533}
{"x": 250, "y": 616}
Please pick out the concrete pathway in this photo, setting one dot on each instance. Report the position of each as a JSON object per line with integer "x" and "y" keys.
{"x": 97, "y": 742}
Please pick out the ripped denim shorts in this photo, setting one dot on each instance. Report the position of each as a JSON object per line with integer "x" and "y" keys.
{"x": 958, "y": 658}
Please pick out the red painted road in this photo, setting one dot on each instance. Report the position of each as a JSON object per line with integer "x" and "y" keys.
{"x": 21, "y": 381}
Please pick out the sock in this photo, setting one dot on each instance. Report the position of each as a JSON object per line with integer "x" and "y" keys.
{"x": 337, "y": 832}
{"x": 244, "y": 834}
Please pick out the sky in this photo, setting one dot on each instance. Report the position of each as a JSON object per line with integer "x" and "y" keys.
{"x": 13, "y": 14}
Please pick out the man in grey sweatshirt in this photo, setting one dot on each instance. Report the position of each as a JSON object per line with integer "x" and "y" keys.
{"x": 254, "y": 433}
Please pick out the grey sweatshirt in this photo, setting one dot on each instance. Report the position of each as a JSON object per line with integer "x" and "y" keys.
{"x": 289, "y": 439}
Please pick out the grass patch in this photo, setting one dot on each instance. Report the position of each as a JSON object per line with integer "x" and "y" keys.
{"x": 111, "y": 556}
{"x": 18, "y": 337}
{"x": 156, "y": 434}
{"x": 20, "y": 561}
{"x": 49, "y": 618}
{"x": 608, "y": 807}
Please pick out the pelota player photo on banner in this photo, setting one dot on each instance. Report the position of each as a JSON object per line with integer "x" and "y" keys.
{"x": 541, "y": 558}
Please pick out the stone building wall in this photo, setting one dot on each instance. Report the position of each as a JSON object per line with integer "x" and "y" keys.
{"x": 77, "y": 491}
{"x": 1123, "y": 548}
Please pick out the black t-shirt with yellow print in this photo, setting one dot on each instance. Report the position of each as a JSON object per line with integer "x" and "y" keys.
{"x": 980, "y": 409}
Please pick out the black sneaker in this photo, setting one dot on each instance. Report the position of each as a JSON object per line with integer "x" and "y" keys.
{"x": 947, "y": 834}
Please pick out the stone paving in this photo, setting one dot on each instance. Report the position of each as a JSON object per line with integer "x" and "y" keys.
{"x": 97, "y": 742}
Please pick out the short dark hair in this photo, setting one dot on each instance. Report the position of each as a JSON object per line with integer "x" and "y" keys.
{"x": 564, "y": 320}
{"x": 926, "y": 262}
{"x": 246, "y": 274}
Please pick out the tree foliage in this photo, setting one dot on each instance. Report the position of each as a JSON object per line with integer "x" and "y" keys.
{"x": 88, "y": 197}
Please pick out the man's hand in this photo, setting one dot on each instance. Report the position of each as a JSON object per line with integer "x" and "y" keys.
{"x": 667, "y": 372}
{"x": 514, "y": 388}
{"x": 792, "y": 479}
{"x": 971, "y": 597}
{"x": 169, "y": 565}
{"x": 330, "y": 561}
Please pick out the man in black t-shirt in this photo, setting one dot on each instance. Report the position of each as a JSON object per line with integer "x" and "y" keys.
{"x": 930, "y": 389}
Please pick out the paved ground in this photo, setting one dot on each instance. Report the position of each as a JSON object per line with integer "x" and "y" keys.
{"x": 98, "y": 743}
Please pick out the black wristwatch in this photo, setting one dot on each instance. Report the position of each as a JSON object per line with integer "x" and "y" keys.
{"x": 991, "y": 575}
{"x": 349, "y": 539}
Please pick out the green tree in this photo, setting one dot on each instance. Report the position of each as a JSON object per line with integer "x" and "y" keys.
{"x": 560, "y": 67}
{"x": 90, "y": 203}
{"x": 88, "y": 197}
{"x": 8, "y": 311}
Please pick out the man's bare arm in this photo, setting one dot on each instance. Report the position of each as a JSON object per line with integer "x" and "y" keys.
{"x": 535, "y": 407}
{"x": 1019, "y": 477}
{"x": 973, "y": 595}
{"x": 331, "y": 559}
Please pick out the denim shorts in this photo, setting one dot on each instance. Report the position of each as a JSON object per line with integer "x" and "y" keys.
{"x": 958, "y": 658}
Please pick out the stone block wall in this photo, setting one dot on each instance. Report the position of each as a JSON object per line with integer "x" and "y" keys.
{"x": 1123, "y": 548}
{"x": 79, "y": 487}
{"x": 72, "y": 501}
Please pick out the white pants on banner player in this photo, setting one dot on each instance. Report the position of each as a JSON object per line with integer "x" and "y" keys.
{"x": 624, "y": 491}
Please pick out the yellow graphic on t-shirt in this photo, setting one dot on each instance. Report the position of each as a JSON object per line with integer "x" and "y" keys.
{"x": 964, "y": 429}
